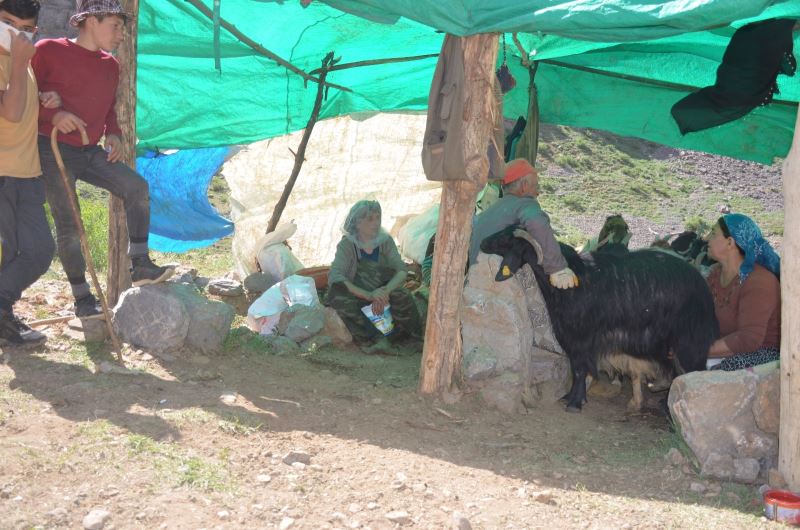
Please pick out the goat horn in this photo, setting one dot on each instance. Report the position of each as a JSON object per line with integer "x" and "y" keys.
{"x": 523, "y": 234}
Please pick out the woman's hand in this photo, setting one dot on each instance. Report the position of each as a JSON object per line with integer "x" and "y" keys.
{"x": 380, "y": 299}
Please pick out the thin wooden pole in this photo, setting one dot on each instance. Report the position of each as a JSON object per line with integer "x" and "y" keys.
{"x": 119, "y": 276}
{"x": 259, "y": 48}
{"x": 441, "y": 356}
{"x": 375, "y": 62}
{"x": 789, "y": 448}
{"x": 87, "y": 254}
{"x": 300, "y": 156}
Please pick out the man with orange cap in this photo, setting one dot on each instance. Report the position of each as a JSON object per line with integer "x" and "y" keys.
{"x": 520, "y": 207}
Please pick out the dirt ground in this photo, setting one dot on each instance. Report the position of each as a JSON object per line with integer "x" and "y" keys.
{"x": 190, "y": 441}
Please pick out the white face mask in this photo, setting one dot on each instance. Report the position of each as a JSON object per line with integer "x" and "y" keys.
{"x": 5, "y": 38}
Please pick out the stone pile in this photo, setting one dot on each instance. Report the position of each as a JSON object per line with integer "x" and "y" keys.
{"x": 730, "y": 420}
{"x": 509, "y": 351}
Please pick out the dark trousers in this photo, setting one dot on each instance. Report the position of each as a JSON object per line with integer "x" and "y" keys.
{"x": 25, "y": 237}
{"x": 90, "y": 165}
{"x": 403, "y": 307}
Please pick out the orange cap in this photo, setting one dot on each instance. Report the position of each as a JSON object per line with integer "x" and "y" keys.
{"x": 516, "y": 169}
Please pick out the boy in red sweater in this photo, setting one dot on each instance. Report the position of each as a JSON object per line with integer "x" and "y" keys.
{"x": 86, "y": 75}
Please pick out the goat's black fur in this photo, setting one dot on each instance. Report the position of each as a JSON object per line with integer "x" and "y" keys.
{"x": 689, "y": 245}
{"x": 645, "y": 303}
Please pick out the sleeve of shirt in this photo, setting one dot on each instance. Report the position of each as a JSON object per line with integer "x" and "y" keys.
{"x": 41, "y": 71}
{"x": 553, "y": 260}
{"x": 343, "y": 266}
{"x": 757, "y": 300}
{"x": 393, "y": 259}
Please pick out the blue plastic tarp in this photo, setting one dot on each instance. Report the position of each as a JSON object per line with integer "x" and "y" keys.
{"x": 181, "y": 218}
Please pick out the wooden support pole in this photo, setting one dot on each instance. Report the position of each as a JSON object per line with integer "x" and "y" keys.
{"x": 789, "y": 450}
{"x": 119, "y": 277}
{"x": 300, "y": 156}
{"x": 441, "y": 356}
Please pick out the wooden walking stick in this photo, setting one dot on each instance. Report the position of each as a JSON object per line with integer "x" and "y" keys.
{"x": 76, "y": 217}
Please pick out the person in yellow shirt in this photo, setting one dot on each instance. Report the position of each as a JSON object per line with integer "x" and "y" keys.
{"x": 25, "y": 238}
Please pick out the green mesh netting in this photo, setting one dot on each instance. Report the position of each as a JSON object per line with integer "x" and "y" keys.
{"x": 632, "y": 62}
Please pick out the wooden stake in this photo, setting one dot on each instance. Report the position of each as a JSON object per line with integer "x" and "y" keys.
{"x": 87, "y": 253}
{"x": 441, "y": 357}
{"x": 300, "y": 156}
{"x": 119, "y": 276}
{"x": 789, "y": 449}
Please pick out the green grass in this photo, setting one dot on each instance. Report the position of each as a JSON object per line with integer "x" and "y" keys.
{"x": 243, "y": 339}
{"x": 605, "y": 178}
{"x": 98, "y": 430}
{"x": 211, "y": 261}
{"x": 192, "y": 471}
{"x": 238, "y": 425}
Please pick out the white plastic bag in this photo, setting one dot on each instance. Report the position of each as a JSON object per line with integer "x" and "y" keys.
{"x": 263, "y": 314}
{"x": 278, "y": 261}
{"x": 413, "y": 238}
{"x": 383, "y": 322}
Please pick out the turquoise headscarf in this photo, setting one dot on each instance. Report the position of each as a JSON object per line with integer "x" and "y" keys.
{"x": 756, "y": 249}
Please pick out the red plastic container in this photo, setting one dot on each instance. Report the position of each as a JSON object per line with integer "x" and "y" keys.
{"x": 782, "y": 506}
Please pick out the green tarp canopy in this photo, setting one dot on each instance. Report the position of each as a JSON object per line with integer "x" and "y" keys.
{"x": 615, "y": 65}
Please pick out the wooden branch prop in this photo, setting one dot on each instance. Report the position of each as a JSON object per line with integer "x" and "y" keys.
{"x": 301, "y": 150}
{"x": 523, "y": 55}
{"x": 441, "y": 354}
{"x": 48, "y": 321}
{"x": 260, "y": 49}
{"x": 119, "y": 276}
{"x": 645, "y": 81}
{"x": 373, "y": 62}
{"x": 789, "y": 430}
{"x": 76, "y": 218}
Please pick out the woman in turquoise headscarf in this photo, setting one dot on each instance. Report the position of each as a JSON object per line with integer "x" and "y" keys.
{"x": 746, "y": 288}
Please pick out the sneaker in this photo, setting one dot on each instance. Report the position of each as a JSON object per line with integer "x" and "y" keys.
{"x": 88, "y": 307}
{"x": 145, "y": 272}
{"x": 15, "y": 331}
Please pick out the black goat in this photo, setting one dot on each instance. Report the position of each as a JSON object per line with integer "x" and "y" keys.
{"x": 648, "y": 304}
{"x": 693, "y": 248}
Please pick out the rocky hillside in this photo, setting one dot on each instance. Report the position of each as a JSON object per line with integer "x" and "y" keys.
{"x": 589, "y": 174}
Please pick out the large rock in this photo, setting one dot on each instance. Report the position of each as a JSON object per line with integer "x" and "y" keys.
{"x": 87, "y": 329}
{"x": 718, "y": 465}
{"x": 167, "y": 316}
{"x": 225, "y": 287}
{"x": 495, "y": 315}
{"x": 509, "y": 350}
{"x": 543, "y": 337}
{"x": 152, "y": 317}
{"x": 548, "y": 374}
{"x": 504, "y": 393}
{"x": 767, "y": 403}
{"x": 714, "y": 411}
{"x": 258, "y": 282}
{"x": 301, "y": 322}
{"x": 479, "y": 363}
{"x": 209, "y": 320}
{"x": 335, "y": 328}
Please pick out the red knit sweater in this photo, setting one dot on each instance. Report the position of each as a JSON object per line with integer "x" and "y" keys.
{"x": 87, "y": 83}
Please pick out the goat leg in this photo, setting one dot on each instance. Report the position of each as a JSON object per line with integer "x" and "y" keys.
{"x": 578, "y": 391}
{"x": 636, "y": 402}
